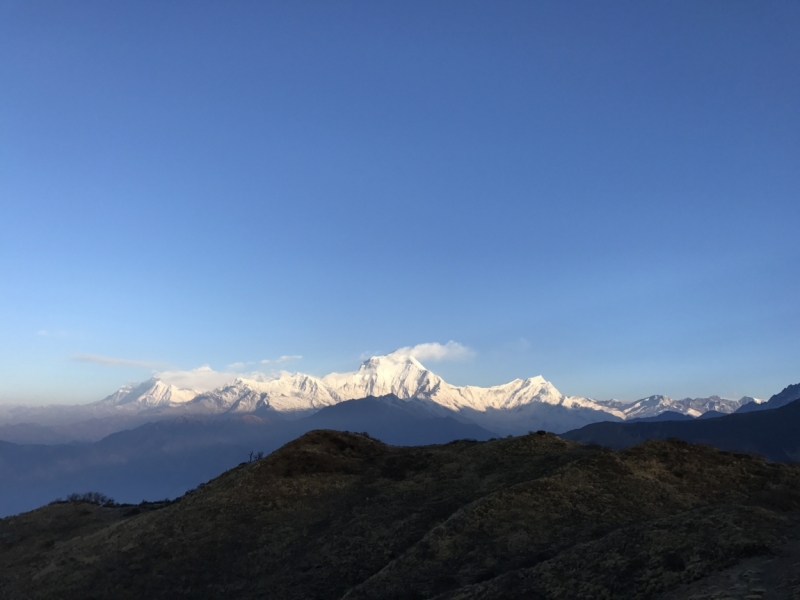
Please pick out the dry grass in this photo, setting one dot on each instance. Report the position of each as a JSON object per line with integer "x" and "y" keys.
{"x": 335, "y": 515}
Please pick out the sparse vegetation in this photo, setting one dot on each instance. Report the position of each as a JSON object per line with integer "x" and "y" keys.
{"x": 253, "y": 456}
{"x": 88, "y": 498}
{"x": 337, "y": 515}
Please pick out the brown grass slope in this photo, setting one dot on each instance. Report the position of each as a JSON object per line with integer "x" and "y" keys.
{"x": 338, "y": 515}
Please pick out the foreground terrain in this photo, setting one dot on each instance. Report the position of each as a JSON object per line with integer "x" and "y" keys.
{"x": 342, "y": 515}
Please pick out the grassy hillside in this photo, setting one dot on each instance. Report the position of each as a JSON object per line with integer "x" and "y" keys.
{"x": 339, "y": 515}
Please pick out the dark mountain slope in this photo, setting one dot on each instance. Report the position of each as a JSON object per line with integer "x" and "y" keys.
{"x": 711, "y": 414}
{"x": 774, "y": 434}
{"x": 789, "y": 394}
{"x": 338, "y": 515}
{"x": 394, "y": 421}
{"x": 668, "y": 415}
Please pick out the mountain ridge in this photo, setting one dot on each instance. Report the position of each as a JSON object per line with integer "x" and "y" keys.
{"x": 405, "y": 377}
{"x": 514, "y": 407}
{"x": 770, "y": 433}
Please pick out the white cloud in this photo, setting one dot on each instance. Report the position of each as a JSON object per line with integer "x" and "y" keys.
{"x": 112, "y": 361}
{"x": 435, "y": 352}
{"x": 201, "y": 379}
{"x": 205, "y": 378}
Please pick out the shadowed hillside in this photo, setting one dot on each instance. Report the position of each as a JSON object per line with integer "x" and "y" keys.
{"x": 774, "y": 434}
{"x": 340, "y": 515}
{"x": 788, "y": 394}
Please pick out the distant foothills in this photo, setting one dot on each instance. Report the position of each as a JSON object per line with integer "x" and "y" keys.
{"x": 516, "y": 407}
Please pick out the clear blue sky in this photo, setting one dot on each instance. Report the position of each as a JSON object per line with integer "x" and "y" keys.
{"x": 604, "y": 193}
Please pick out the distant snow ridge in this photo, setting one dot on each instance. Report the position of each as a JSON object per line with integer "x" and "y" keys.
{"x": 694, "y": 407}
{"x": 151, "y": 393}
{"x": 508, "y": 407}
{"x": 292, "y": 393}
{"x": 398, "y": 374}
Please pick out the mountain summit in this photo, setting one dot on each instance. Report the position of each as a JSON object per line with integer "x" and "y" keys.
{"x": 149, "y": 394}
{"x": 395, "y": 373}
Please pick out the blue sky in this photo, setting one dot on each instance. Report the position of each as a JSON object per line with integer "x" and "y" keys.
{"x": 606, "y": 194}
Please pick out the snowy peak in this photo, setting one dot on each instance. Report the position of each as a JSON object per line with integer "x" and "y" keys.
{"x": 405, "y": 377}
{"x": 651, "y": 406}
{"x": 694, "y": 407}
{"x": 150, "y": 394}
{"x": 505, "y": 396}
{"x": 117, "y": 397}
{"x": 391, "y": 362}
{"x": 398, "y": 374}
{"x": 294, "y": 394}
{"x": 237, "y": 396}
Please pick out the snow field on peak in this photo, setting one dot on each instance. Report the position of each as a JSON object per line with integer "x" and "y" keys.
{"x": 151, "y": 393}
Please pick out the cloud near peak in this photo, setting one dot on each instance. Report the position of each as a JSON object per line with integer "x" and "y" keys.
{"x": 201, "y": 379}
{"x": 205, "y": 378}
{"x": 434, "y": 352}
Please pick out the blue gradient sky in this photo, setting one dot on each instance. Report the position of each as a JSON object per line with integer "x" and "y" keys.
{"x": 607, "y": 194}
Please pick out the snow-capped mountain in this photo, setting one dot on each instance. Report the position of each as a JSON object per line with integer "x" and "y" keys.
{"x": 694, "y": 407}
{"x": 295, "y": 395}
{"x": 292, "y": 394}
{"x": 150, "y": 394}
{"x": 405, "y": 377}
{"x": 398, "y": 374}
{"x": 516, "y": 406}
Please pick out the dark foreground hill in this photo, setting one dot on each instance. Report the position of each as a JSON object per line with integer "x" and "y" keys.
{"x": 774, "y": 434}
{"x": 337, "y": 515}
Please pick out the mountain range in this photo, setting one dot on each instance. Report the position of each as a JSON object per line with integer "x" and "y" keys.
{"x": 772, "y": 430}
{"x": 294, "y": 394}
{"x": 515, "y": 407}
